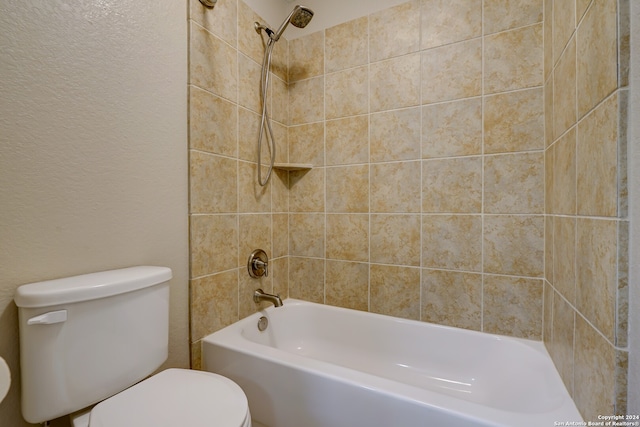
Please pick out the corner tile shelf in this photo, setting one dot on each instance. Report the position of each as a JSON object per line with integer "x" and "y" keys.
{"x": 293, "y": 166}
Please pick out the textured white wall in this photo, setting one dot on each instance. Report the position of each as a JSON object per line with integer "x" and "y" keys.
{"x": 634, "y": 210}
{"x": 93, "y": 150}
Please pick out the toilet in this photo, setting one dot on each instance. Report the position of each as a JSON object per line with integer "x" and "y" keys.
{"x": 88, "y": 342}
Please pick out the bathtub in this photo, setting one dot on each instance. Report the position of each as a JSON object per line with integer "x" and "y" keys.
{"x": 322, "y": 366}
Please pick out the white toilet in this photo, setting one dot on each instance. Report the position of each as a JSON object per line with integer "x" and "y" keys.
{"x": 88, "y": 339}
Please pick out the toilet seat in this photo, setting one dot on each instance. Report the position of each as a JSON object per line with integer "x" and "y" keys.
{"x": 176, "y": 397}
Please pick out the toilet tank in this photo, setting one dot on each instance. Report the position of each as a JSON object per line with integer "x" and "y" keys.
{"x": 88, "y": 337}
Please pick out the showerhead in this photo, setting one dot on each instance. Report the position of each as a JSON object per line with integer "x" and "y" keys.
{"x": 299, "y": 17}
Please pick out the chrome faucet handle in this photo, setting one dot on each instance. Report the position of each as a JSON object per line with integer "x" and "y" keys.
{"x": 258, "y": 264}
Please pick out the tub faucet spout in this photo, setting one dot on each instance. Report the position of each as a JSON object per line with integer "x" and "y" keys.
{"x": 260, "y": 295}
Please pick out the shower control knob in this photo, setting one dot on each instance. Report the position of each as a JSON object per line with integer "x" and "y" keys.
{"x": 258, "y": 264}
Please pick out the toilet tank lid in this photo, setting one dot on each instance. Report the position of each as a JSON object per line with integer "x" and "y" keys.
{"x": 89, "y": 286}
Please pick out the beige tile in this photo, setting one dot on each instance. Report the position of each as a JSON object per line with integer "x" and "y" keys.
{"x": 254, "y": 233}
{"x": 561, "y": 346}
{"x": 348, "y": 237}
{"x": 208, "y": 255}
{"x": 306, "y": 279}
{"x": 597, "y": 55}
{"x": 622, "y": 304}
{"x": 281, "y": 137}
{"x": 452, "y": 242}
{"x": 279, "y": 97}
{"x": 248, "y": 126}
{"x": 595, "y": 365}
{"x": 250, "y": 42}
{"x": 213, "y": 183}
{"x": 395, "y": 83}
{"x": 213, "y": 123}
{"x": 450, "y": 21}
{"x": 347, "y": 140}
{"x": 306, "y": 144}
{"x": 212, "y": 64}
{"x": 564, "y": 25}
{"x": 279, "y": 191}
{"x": 280, "y": 235}
{"x": 452, "y": 129}
{"x": 347, "y": 93}
{"x": 501, "y": 15}
{"x": 514, "y": 183}
{"x": 280, "y": 59}
{"x": 548, "y": 38}
{"x": 596, "y": 285}
{"x": 452, "y": 72}
{"x": 597, "y": 161}
{"x": 395, "y": 239}
{"x": 549, "y": 242}
{"x": 307, "y": 190}
{"x": 195, "y": 355}
{"x": 564, "y": 92}
{"x": 395, "y": 187}
{"x": 395, "y": 135}
{"x": 306, "y": 56}
{"x": 581, "y": 8}
{"x": 255, "y": 198}
{"x": 306, "y": 101}
{"x": 512, "y": 306}
{"x": 221, "y": 21}
{"x": 514, "y": 244}
{"x": 452, "y": 298}
{"x": 564, "y": 257}
{"x": 547, "y": 316}
{"x": 214, "y": 303}
{"x": 549, "y": 136}
{"x": 621, "y": 378}
{"x": 452, "y": 185}
{"x": 514, "y": 121}
{"x": 394, "y": 31}
{"x": 623, "y": 141}
{"x": 306, "y": 235}
{"x": 347, "y": 285}
{"x": 280, "y": 276}
{"x": 395, "y": 291}
{"x": 346, "y": 45}
{"x": 563, "y": 190}
{"x": 249, "y": 84}
{"x": 513, "y": 59}
{"x": 348, "y": 189}
{"x": 549, "y": 181}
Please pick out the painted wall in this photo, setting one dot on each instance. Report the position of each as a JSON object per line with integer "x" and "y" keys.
{"x": 93, "y": 162}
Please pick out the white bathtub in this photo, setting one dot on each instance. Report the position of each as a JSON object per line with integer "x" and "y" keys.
{"x": 323, "y": 366}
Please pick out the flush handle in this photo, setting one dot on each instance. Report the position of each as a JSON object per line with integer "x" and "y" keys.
{"x": 49, "y": 318}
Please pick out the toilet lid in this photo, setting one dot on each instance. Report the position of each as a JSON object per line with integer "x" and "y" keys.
{"x": 175, "y": 397}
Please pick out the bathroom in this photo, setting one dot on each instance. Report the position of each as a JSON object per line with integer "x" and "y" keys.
{"x": 106, "y": 145}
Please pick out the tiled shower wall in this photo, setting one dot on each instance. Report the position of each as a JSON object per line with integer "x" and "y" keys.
{"x": 586, "y": 289}
{"x": 425, "y": 126}
{"x": 230, "y": 214}
{"x": 446, "y": 162}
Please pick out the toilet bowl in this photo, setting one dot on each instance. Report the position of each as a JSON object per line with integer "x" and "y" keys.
{"x": 88, "y": 342}
{"x": 174, "y": 397}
